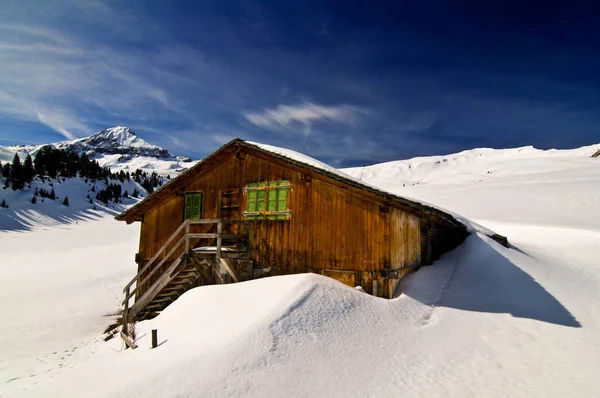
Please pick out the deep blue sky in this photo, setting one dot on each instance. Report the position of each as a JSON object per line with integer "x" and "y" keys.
{"x": 347, "y": 82}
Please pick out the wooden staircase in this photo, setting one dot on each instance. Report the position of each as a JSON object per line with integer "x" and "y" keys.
{"x": 186, "y": 260}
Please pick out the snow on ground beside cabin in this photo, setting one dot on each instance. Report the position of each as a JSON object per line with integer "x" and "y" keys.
{"x": 482, "y": 321}
{"x": 59, "y": 290}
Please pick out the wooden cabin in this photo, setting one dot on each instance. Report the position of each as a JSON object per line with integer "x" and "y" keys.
{"x": 249, "y": 210}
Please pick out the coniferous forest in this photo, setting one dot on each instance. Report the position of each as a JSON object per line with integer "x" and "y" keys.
{"x": 52, "y": 163}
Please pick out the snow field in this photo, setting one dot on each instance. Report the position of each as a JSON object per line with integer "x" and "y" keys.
{"x": 484, "y": 320}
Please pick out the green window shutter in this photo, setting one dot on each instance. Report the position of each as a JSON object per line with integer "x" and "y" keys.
{"x": 260, "y": 201}
{"x": 197, "y": 206}
{"x": 282, "y": 199}
{"x": 188, "y": 207}
{"x": 251, "y": 204}
{"x": 272, "y": 200}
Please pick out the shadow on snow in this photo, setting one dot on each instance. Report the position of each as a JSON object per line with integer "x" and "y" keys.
{"x": 481, "y": 276}
{"x": 22, "y": 220}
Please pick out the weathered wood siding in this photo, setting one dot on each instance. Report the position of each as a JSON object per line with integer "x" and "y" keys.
{"x": 159, "y": 224}
{"x": 333, "y": 229}
{"x": 405, "y": 239}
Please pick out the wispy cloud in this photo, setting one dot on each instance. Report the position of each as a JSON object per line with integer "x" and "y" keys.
{"x": 60, "y": 80}
{"x": 304, "y": 114}
{"x": 191, "y": 84}
{"x": 55, "y": 122}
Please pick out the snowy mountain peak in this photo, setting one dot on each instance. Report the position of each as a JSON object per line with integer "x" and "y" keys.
{"x": 118, "y": 148}
{"x": 119, "y": 133}
{"x": 116, "y": 140}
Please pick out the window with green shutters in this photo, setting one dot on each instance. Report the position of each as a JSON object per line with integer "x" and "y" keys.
{"x": 267, "y": 200}
{"x": 193, "y": 206}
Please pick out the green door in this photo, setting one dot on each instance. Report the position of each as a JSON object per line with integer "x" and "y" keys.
{"x": 193, "y": 206}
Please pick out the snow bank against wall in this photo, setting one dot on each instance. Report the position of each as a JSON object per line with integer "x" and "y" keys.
{"x": 479, "y": 322}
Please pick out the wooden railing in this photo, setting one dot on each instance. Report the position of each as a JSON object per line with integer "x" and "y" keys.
{"x": 183, "y": 245}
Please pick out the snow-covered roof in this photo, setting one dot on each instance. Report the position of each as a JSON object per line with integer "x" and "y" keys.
{"x": 309, "y": 161}
{"x": 301, "y": 160}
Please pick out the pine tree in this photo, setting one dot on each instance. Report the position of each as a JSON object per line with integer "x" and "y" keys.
{"x": 28, "y": 170}
{"x": 16, "y": 169}
{"x": 33, "y": 199}
{"x": 6, "y": 171}
{"x": 4, "y": 204}
{"x": 66, "y": 201}
{"x": 38, "y": 162}
{"x": 52, "y": 194}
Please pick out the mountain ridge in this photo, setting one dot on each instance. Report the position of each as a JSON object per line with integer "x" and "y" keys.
{"x": 116, "y": 147}
{"x": 115, "y": 140}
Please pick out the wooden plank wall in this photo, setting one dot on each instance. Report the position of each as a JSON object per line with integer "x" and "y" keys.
{"x": 332, "y": 230}
{"x": 159, "y": 224}
{"x": 348, "y": 231}
{"x": 405, "y": 241}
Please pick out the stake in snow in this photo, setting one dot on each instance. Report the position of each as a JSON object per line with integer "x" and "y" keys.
{"x": 482, "y": 320}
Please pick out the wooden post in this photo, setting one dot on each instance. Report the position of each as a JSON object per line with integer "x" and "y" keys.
{"x": 219, "y": 240}
{"x": 375, "y": 287}
{"x": 154, "y": 338}
{"x": 217, "y": 263}
{"x": 126, "y": 313}
{"x": 229, "y": 269}
{"x": 187, "y": 236}
{"x": 130, "y": 343}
